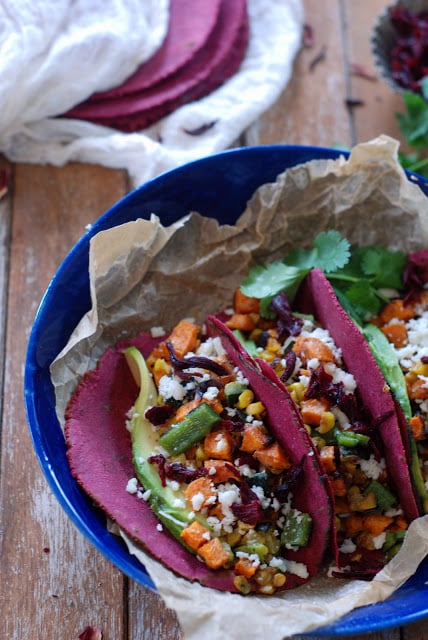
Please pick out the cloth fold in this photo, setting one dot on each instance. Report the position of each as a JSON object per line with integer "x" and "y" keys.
{"x": 43, "y": 49}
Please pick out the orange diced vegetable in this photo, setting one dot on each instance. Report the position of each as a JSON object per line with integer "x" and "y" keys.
{"x": 244, "y": 304}
{"x": 214, "y": 554}
{"x": 221, "y": 470}
{"x": 218, "y": 444}
{"x": 396, "y": 333}
{"x": 306, "y": 348}
{"x": 376, "y": 523}
{"x": 313, "y": 409}
{"x": 241, "y": 321}
{"x": 200, "y": 493}
{"x": 417, "y": 427}
{"x": 339, "y": 487}
{"x": 273, "y": 458}
{"x": 397, "y": 310}
{"x": 400, "y": 523}
{"x": 327, "y": 456}
{"x": 418, "y": 390}
{"x": 195, "y": 535}
{"x": 184, "y": 409}
{"x": 245, "y": 567}
{"x": 253, "y": 438}
{"x": 353, "y": 525}
{"x": 183, "y": 337}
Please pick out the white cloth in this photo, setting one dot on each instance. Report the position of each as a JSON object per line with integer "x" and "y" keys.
{"x": 44, "y": 45}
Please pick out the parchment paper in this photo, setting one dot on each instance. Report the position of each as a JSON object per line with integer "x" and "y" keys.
{"x": 144, "y": 275}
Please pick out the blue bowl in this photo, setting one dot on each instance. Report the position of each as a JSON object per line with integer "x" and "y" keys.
{"x": 219, "y": 187}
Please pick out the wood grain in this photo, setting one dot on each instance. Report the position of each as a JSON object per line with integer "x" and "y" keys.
{"x": 53, "y": 582}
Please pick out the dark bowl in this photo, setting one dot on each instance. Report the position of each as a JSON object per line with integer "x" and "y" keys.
{"x": 219, "y": 187}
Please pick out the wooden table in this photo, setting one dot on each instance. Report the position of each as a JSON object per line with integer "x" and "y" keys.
{"x": 53, "y": 582}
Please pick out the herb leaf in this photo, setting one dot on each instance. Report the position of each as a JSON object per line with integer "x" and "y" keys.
{"x": 385, "y": 267}
{"x": 267, "y": 281}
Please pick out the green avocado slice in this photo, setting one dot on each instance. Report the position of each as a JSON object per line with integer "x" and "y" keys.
{"x": 162, "y": 499}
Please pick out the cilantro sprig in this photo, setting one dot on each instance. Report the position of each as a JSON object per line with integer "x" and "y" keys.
{"x": 413, "y": 126}
{"x": 359, "y": 275}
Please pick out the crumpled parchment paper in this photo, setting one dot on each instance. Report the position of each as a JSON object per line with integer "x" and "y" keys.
{"x": 141, "y": 271}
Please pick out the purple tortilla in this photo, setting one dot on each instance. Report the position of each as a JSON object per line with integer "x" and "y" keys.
{"x": 317, "y": 297}
{"x": 100, "y": 457}
{"x": 287, "y": 427}
{"x": 191, "y": 23}
{"x": 217, "y": 61}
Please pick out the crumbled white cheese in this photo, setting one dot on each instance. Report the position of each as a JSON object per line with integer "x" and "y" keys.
{"x": 211, "y": 393}
{"x": 157, "y": 332}
{"x": 297, "y": 568}
{"x": 132, "y": 485}
{"x": 146, "y": 495}
{"x": 197, "y": 501}
{"x": 371, "y": 467}
{"x": 171, "y": 388}
{"x": 240, "y": 377}
{"x": 211, "y": 348}
{"x": 348, "y": 546}
{"x": 379, "y": 540}
{"x": 159, "y": 527}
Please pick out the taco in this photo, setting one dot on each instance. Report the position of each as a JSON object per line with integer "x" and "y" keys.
{"x": 321, "y": 358}
{"x": 202, "y": 460}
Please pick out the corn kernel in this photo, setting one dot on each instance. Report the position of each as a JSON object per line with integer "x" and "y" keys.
{"x": 420, "y": 369}
{"x": 266, "y": 355}
{"x": 245, "y": 398}
{"x": 298, "y": 389}
{"x": 267, "y": 589}
{"x": 255, "y": 409}
{"x": 279, "y": 580}
{"x": 327, "y": 422}
{"x": 273, "y": 345}
{"x": 241, "y": 583}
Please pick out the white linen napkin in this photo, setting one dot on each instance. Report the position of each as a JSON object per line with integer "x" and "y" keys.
{"x": 44, "y": 46}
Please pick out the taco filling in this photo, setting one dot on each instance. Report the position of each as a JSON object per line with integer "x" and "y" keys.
{"x": 370, "y": 523}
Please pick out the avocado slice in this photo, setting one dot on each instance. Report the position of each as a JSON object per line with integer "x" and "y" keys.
{"x": 145, "y": 439}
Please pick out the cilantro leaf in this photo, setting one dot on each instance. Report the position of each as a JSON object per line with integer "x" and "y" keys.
{"x": 264, "y": 281}
{"x": 414, "y": 122}
{"x": 385, "y": 267}
{"x": 364, "y": 298}
{"x": 330, "y": 252}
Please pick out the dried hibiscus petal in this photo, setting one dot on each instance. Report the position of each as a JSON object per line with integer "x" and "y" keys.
{"x": 249, "y": 510}
{"x": 90, "y": 633}
{"x": 159, "y": 414}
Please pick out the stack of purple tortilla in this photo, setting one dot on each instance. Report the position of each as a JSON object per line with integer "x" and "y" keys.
{"x": 204, "y": 46}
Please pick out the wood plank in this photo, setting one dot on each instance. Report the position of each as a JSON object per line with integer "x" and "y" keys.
{"x": 380, "y": 103}
{"x": 311, "y": 109}
{"x": 54, "y": 583}
{"x": 149, "y": 618}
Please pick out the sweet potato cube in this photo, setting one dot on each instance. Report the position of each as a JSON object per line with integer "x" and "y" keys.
{"x": 307, "y": 348}
{"x": 245, "y": 304}
{"x": 376, "y": 523}
{"x": 195, "y": 535}
{"x": 241, "y": 321}
{"x": 219, "y": 445}
{"x": 221, "y": 471}
{"x": 200, "y": 493}
{"x": 417, "y": 427}
{"x": 312, "y": 410}
{"x": 396, "y": 334}
{"x": 339, "y": 487}
{"x": 183, "y": 337}
{"x": 253, "y": 438}
{"x": 327, "y": 456}
{"x": 396, "y": 310}
{"x": 185, "y": 408}
{"x": 245, "y": 567}
{"x": 214, "y": 554}
{"x": 273, "y": 458}
{"x": 353, "y": 525}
